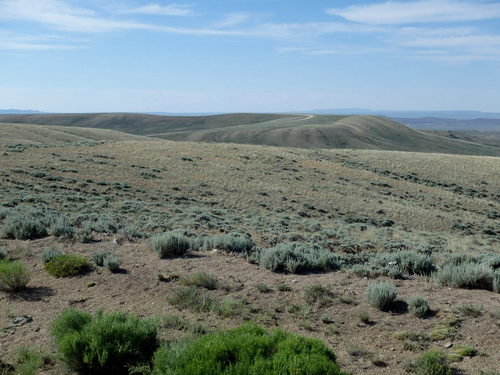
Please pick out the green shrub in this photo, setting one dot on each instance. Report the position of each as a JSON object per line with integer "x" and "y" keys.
{"x": 14, "y": 276}
{"x": 67, "y": 265}
{"x": 169, "y": 244}
{"x": 105, "y": 343}
{"x": 418, "y": 306}
{"x": 381, "y": 295}
{"x": 263, "y": 288}
{"x": 200, "y": 279}
{"x": 295, "y": 257}
{"x": 248, "y": 349}
{"x": 466, "y": 275}
{"x": 432, "y": 362}
{"x": 49, "y": 253}
{"x": 232, "y": 242}
{"x": 23, "y": 227}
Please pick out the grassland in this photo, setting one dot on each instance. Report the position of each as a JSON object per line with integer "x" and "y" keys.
{"x": 304, "y": 131}
{"x": 361, "y": 206}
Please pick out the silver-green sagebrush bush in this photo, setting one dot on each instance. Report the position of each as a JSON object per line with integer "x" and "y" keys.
{"x": 418, "y": 306}
{"x": 381, "y": 295}
{"x": 169, "y": 244}
{"x": 14, "y": 276}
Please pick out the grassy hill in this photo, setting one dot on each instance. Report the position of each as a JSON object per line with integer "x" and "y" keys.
{"x": 304, "y": 131}
{"x": 361, "y": 207}
{"x": 35, "y": 134}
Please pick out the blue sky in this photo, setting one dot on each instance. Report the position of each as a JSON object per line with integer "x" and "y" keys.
{"x": 249, "y": 55}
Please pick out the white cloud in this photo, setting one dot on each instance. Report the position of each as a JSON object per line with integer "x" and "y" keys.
{"x": 162, "y": 10}
{"x": 398, "y": 12}
{"x": 59, "y": 15}
{"x": 232, "y": 19}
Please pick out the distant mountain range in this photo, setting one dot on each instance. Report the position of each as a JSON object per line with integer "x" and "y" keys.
{"x": 18, "y": 111}
{"x": 458, "y": 115}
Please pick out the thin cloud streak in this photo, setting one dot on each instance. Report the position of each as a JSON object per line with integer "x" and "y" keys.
{"x": 162, "y": 10}
{"x": 425, "y": 11}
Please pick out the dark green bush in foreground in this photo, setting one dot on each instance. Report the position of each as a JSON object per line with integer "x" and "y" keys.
{"x": 104, "y": 343}
{"x": 67, "y": 265}
{"x": 248, "y": 350}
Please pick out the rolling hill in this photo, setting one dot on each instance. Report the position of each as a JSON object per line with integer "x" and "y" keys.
{"x": 298, "y": 130}
{"x": 35, "y": 134}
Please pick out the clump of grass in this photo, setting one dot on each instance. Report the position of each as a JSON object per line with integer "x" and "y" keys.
{"x": 200, "y": 279}
{"x": 104, "y": 343}
{"x": 169, "y": 244}
{"x": 30, "y": 360}
{"x": 284, "y": 288}
{"x": 263, "y": 288}
{"x": 112, "y": 263}
{"x": 248, "y": 349}
{"x": 295, "y": 257}
{"x": 318, "y": 294}
{"x": 192, "y": 298}
{"x": 432, "y": 362}
{"x": 98, "y": 257}
{"x": 364, "y": 317}
{"x": 469, "y": 310}
{"x": 4, "y": 254}
{"x": 381, "y": 295}
{"x": 178, "y": 323}
{"x": 14, "y": 276}
{"x": 418, "y": 306}
{"x": 67, "y": 265}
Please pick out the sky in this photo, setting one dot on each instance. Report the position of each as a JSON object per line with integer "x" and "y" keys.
{"x": 249, "y": 55}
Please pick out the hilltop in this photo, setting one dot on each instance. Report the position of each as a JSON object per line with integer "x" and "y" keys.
{"x": 284, "y": 130}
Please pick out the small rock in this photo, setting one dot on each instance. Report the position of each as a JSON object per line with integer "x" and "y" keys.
{"x": 168, "y": 277}
{"x": 90, "y": 285}
{"x": 448, "y": 345}
{"x": 115, "y": 241}
{"x": 295, "y": 281}
{"x": 19, "y": 321}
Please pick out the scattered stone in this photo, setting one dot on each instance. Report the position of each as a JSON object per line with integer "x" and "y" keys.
{"x": 168, "y": 277}
{"x": 448, "y": 345}
{"x": 91, "y": 285}
{"x": 19, "y": 321}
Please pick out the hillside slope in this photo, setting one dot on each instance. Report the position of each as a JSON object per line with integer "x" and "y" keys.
{"x": 357, "y": 132}
{"x": 298, "y": 130}
{"x": 35, "y": 134}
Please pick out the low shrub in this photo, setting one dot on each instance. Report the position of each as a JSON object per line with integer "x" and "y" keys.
{"x": 248, "y": 349}
{"x": 466, "y": 275}
{"x": 4, "y": 254}
{"x": 169, "y": 244}
{"x": 317, "y": 293}
{"x": 263, "y": 288}
{"x": 14, "y": 276}
{"x": 112, "y": 263}
{"x": 432, "y": 362}
{"x": 104, "y": 343}
{"x": 61, "y": 228}
{"x": 200, "y": 279}
{"x": 67, "y": 265}
{"x": 381, "y": 295}
{"x": 23, "y": 227}
{"x": 418, "y": 306}
{"x": 49, "y": 253}
{"x": 232, "y": 242}
{"x": 295, "y": 257}
{"x": 98, "y": 257}
{"x": 403, "y": 263}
